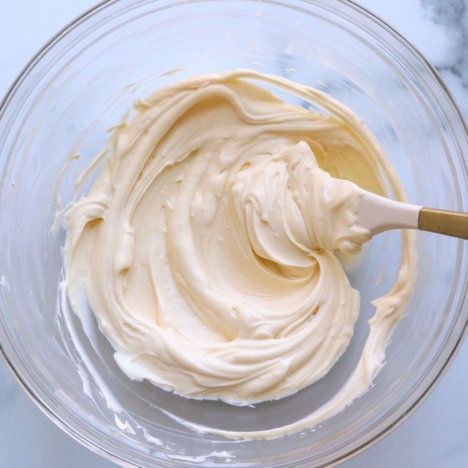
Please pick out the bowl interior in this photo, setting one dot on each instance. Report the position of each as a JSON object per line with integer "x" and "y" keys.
{"x": 85, "y": 82}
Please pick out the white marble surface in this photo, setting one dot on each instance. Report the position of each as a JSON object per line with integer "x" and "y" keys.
{"x": 436, "y": 435}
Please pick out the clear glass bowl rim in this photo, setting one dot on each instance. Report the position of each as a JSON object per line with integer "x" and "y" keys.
{"x": 15, "y": 366}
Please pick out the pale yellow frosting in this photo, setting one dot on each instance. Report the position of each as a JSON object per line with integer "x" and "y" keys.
{"x": 206, "y": 245}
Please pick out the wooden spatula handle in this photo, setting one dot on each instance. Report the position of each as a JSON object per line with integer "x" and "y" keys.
{"x": 450, "y": 223}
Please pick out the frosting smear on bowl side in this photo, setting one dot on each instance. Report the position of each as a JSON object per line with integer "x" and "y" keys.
{"x": 205, "y": 247}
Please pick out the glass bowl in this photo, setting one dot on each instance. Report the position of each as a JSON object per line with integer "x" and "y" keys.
{"x": 83, "y": 81}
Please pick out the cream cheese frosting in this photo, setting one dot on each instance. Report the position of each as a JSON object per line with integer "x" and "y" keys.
{"x": 205, "y": 246}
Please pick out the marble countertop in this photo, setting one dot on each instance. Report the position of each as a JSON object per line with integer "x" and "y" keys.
{"x": 436, "y": 434}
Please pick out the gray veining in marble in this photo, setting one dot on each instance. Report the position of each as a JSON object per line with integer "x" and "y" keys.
{"x": 452, "y": 16}
{"x": 436, "y": 435}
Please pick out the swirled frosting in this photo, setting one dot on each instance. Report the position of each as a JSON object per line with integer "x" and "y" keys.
{"x": 206, "y": 245}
